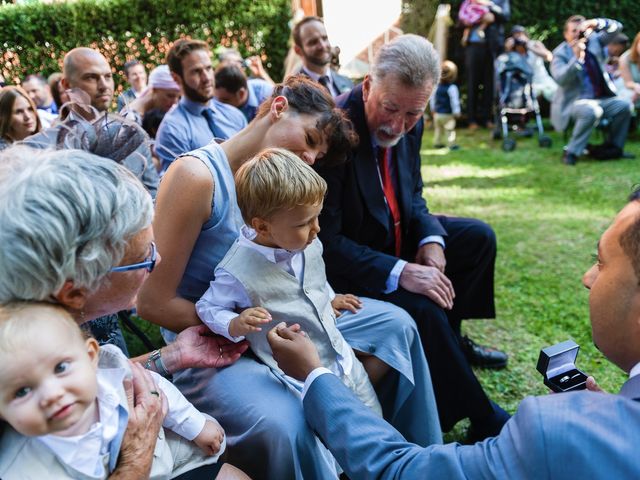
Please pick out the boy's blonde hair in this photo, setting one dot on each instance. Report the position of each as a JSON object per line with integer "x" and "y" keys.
{"x": 449, "y": 72}
{"x": 20, "y": 322}
{"x": 275, "y": 180}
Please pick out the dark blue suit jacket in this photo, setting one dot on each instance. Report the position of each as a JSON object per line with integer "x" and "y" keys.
{"x": 355, "y": 228}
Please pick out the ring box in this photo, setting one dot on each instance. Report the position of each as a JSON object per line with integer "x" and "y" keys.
{"x": 557, "y": 365}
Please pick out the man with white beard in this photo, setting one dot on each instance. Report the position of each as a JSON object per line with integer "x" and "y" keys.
{"x": 381, "y": 241}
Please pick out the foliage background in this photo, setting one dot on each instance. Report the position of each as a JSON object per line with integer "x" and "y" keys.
{"x": 35, "y": 36}
{"x": 544, "y": 20}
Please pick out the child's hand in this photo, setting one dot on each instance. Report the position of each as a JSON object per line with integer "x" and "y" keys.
{"x": 210, "y": 438}
{"x": 346, "y": 302}
{"x": 249, "y": 321}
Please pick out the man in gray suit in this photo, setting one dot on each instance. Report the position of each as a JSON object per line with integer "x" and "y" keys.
{"x": 586, "y": 93}
{"x": 585, "y": 434}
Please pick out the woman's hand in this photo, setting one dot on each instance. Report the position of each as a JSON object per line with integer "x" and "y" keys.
{"x": 199, "y": 347}
{"x": 147, "y": 409}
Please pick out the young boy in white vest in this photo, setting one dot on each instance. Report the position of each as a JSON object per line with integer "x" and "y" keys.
{"x": 275, "y": 272}
{"x": 64, "y": 400}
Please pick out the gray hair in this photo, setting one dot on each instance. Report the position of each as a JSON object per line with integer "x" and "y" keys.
{"x": 409, "y": 58}
{"x": 65, "y": 215}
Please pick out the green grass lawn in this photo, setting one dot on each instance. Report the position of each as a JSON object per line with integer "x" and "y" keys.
{"x": 548, "y": 218}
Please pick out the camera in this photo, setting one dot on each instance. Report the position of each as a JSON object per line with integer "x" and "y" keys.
{"x": 520, "y": 42}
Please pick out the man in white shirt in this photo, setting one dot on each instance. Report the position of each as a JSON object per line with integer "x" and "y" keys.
{"x": 314, "y": 49}
{"x": 584, "y": 434}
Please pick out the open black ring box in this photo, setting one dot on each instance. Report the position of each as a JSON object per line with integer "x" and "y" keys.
{"x": 557, "y": 365}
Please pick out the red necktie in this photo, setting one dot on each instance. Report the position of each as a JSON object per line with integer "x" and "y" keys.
{"x": 384, "y": 157}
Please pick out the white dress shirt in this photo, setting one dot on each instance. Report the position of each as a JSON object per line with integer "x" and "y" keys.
{"x": 327, "y": 73}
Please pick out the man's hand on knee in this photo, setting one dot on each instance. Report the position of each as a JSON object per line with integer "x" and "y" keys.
{"x": 428, "y": 281}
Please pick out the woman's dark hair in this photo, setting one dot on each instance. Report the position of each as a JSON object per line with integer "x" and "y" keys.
{"x": 151, "y": 121}
{"x": 53, "y": 81}
{"x": 308, "y": 97}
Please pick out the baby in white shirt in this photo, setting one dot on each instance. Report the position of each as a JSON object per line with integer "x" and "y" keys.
{"x": 64, "y": 397}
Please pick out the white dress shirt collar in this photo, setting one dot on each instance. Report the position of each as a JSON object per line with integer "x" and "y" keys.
{"x": 85, "y": 453}
{"x": 274, "y": 255}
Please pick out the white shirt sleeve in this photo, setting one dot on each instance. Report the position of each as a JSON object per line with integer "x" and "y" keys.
{"x": 394, "y": 277}
{"x": 218, "y": 305}
{"x": 182, "y": 417}
{"x": 312, "y": 376}
{"x": 439, "y": 239}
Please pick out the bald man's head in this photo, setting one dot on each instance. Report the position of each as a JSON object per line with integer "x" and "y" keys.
{"x": 88, "y": 70}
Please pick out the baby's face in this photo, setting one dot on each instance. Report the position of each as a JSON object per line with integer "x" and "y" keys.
{"x": 48, "y": 384}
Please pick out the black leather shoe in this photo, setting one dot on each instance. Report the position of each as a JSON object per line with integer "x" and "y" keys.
{"x": 483, "y": 356}
{"x": 569, "y": 158}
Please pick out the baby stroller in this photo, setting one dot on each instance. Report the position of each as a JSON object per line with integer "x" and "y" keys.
{"x": 516, "y": 99}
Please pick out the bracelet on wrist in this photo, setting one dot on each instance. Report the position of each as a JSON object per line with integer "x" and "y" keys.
{"x": 155, "y": 358}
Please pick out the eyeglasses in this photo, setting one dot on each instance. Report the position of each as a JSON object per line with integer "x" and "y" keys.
{"x": 149, "y": 263}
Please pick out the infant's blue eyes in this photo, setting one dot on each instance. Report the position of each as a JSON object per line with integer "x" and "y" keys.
{"x": 22, "y": 392}
{"x": 61, "y": 367}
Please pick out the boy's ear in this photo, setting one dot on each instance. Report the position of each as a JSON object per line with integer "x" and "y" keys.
{"x": 92, "y": 350}
{"x": 260, "y": 225}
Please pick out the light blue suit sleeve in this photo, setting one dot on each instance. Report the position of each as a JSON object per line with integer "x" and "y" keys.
{"x": 369, "y": 448}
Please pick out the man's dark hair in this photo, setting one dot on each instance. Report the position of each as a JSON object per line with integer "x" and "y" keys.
{"x": 35, "y": 76}
{"x": 181, "y": 49}
{"x": 308, "y": 97}
{"x": 619, "y": 39}
{"x": 630, "y": 238}
{"x": 296, "y": 30}
{"x": 230, "y": 77}
{"x": 128, "y": 65}
{"x": 574, "y": 19}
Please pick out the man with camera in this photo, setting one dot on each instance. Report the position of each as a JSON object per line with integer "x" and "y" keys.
{"x": 584, "y": 434}
{"x": 586, "y": 95}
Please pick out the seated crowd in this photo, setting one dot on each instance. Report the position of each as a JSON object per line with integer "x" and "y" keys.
{"x": 311, "y": 303}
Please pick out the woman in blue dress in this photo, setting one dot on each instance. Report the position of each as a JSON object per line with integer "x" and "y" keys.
{"x": 197, "y": 219}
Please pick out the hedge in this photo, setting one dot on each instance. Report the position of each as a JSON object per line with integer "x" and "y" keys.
{"x": 35, "y": 36}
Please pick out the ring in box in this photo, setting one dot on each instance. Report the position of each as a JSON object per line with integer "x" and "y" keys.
{"x": 557, "y": 365}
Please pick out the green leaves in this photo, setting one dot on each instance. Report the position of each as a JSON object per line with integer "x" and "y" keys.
{"x": 34, "y": 37}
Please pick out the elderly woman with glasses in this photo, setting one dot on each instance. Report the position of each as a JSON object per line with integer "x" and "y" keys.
{"x": 76, "y": 230}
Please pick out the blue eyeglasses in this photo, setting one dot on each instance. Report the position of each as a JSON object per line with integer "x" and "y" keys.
{"x": 149, "y": 263}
